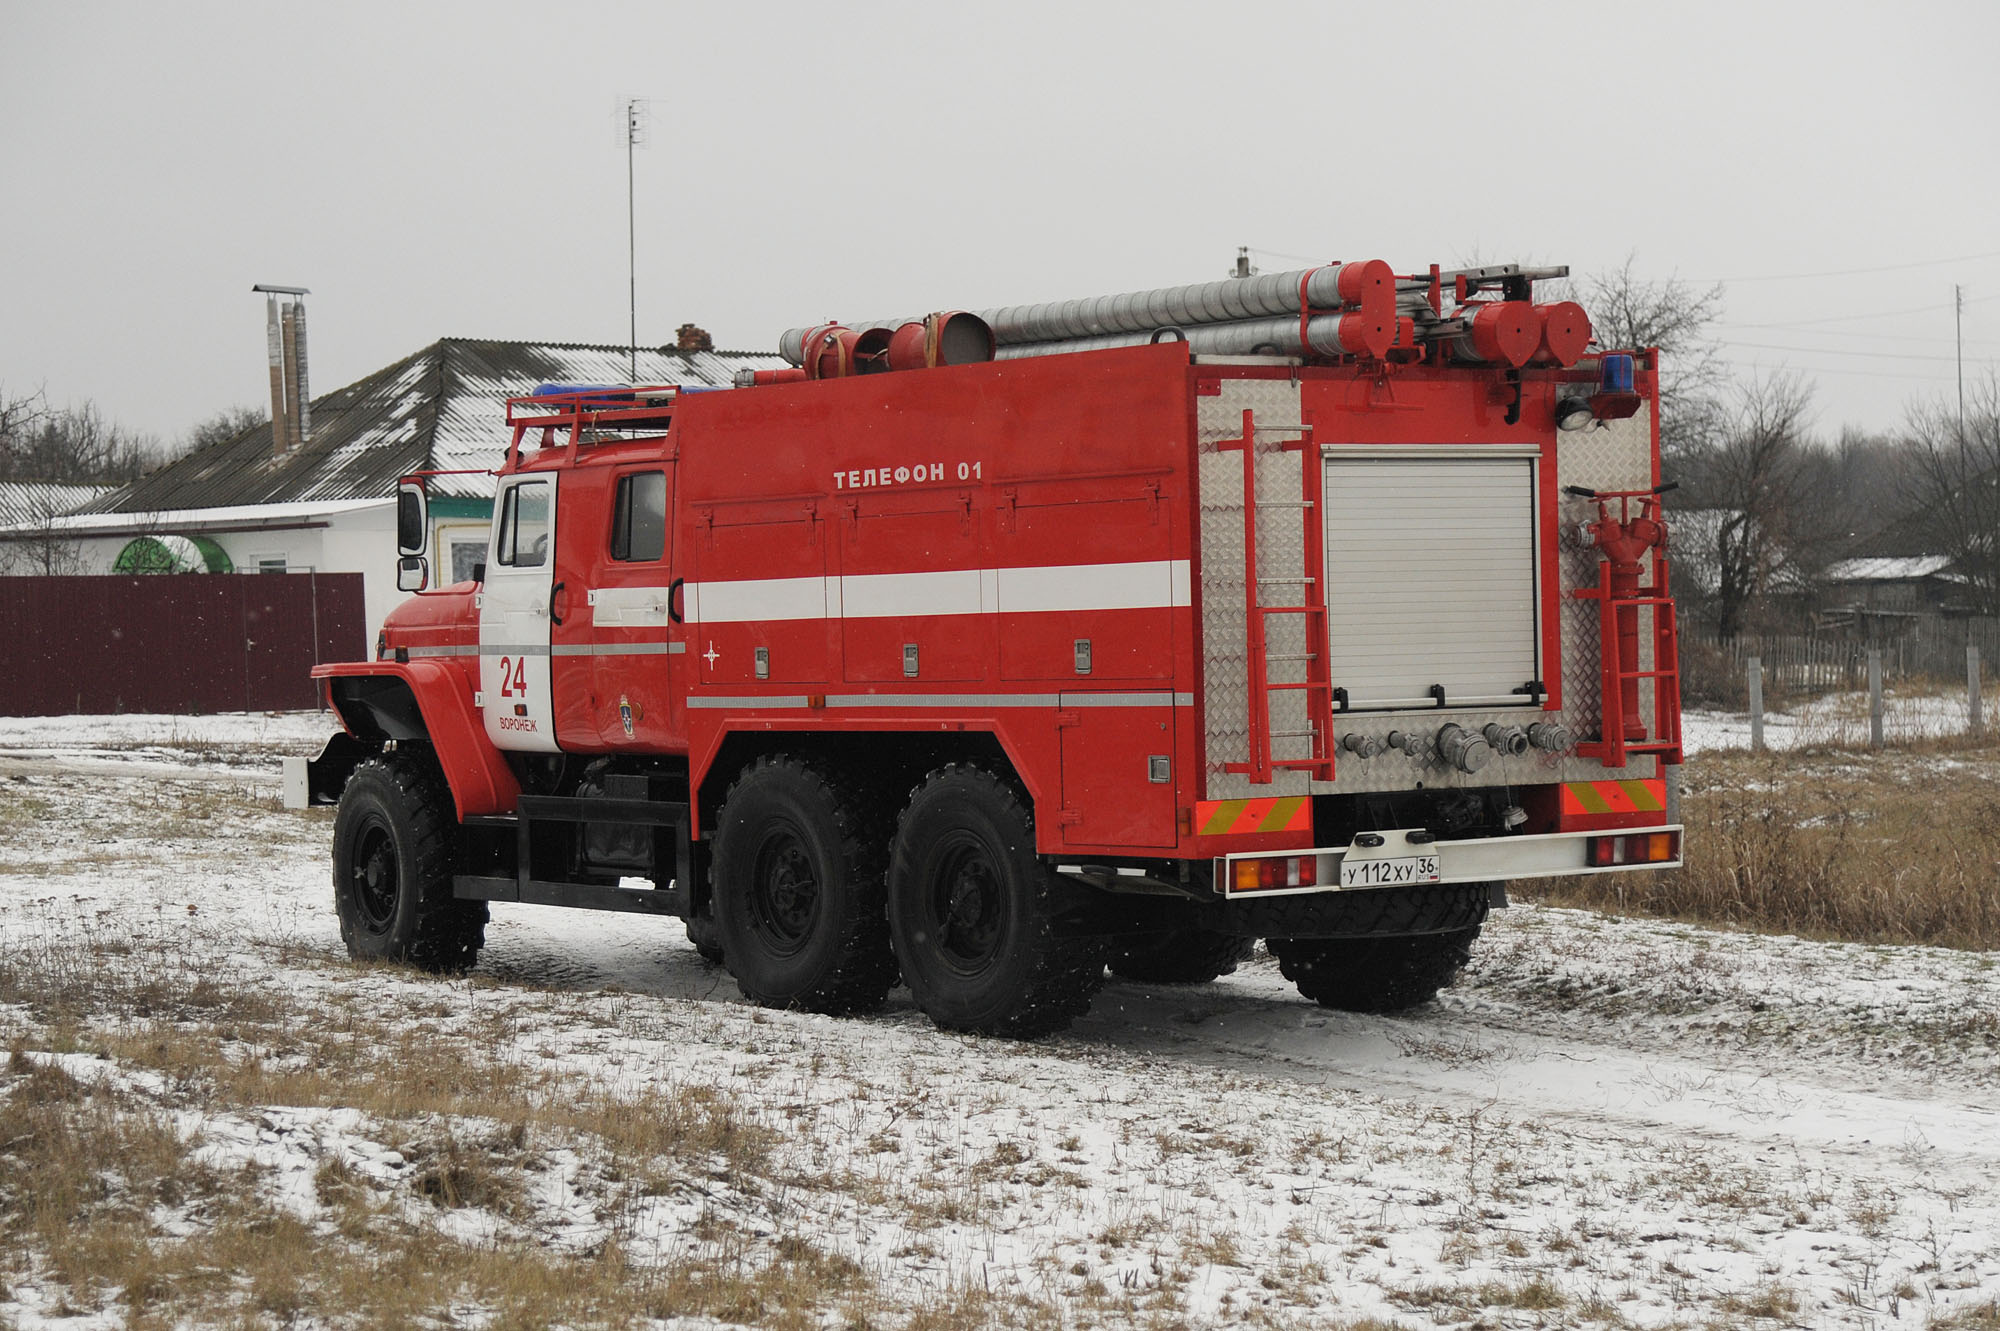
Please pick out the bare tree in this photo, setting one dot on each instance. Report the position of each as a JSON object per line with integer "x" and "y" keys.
{"x": 221, "y": 427}
{"x": 1955, "y": 489}
{"x": 37, "y": 543}
{"x": 1632, "y": 312}
{"x": 21, "y": 418}
{"x": 73, "y": 446}
{"x": 1770, "y": 488}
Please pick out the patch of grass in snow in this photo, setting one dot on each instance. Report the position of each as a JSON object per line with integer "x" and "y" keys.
{"x": 1883, "y": 850}
{"x": 1982, "y": 1317}
{"x": 1771, "y": 1302}
{"x": 105, "y": 1200}
{"x": 1537, "y": 1293}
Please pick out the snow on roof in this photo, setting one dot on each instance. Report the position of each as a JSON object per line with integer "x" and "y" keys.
{"x": 195, "y": 519}
{"x": 1884, "y": 568}
{"x": 441, "y": 409}
{"x": 33, "y": 503}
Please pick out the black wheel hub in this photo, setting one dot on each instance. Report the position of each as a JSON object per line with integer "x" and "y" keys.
{"x": 785, "y": 893}
{"x": 968, "y": 907}
{"x": 375, "y": 876}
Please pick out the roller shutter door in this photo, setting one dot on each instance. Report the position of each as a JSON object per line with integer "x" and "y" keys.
{"x": 1431, "y": 579}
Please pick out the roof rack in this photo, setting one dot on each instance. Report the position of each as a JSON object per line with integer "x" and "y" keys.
{"x": 575, "y": 415}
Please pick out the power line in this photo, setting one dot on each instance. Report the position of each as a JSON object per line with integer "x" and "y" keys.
{"x": 1835, "y": 351}
{"x": 1851, "y": 272}
{"x": 1841, "y": 371}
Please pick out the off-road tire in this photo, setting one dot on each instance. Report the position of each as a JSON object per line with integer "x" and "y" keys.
{"x": 974, "y": 914}
{"x": 706, "y": 935}
{"x": 1180, "y": 956}
{"x": 1374, "y": 974}
{"x": 395, "y": 846}
{"x": 798, "y": 871}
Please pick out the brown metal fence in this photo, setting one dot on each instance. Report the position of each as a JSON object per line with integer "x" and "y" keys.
{"x": 183, "y": 643}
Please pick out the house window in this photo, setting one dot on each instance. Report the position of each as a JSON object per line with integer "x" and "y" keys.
{"x": 272, "y": 564}
{"x": 639, "y": 518}
{"x": 466, "y": 556}
{"x": 524, "y": 526}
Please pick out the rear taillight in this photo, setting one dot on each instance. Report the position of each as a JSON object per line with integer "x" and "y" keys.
{"x": 1636, "y": 848}
{"x": 1263, "y": 875}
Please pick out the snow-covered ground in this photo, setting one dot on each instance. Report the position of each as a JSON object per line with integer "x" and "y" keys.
{"x": 1606, "y": 1122}
{"x": 1838, "y": 720}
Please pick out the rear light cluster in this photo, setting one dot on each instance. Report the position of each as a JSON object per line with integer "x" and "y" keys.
{"x": 1276, "y": 871}
{"x": 1642, "y": 848}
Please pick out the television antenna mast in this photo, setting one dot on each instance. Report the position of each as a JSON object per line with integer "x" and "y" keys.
{"x": 633, "y": 114}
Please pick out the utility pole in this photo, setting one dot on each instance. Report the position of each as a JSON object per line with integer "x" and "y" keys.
{"x": 633, "y": 122}
{"x": 1958, "y": 318}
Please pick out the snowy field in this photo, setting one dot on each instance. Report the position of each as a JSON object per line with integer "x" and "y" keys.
{"x": 1838, "y": 720}
{"x": 1605, "y": 1123}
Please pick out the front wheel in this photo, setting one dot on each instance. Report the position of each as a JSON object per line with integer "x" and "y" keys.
{"x": 973, "y": 913}
{"x": 395, "y": 845}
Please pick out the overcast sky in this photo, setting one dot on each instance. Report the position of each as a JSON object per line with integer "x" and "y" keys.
{"x": 432, "y": 169}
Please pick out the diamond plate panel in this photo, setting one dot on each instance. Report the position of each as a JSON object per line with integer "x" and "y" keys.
{"x": 1617, "y": 456}
{"x": 1280, "y": 564}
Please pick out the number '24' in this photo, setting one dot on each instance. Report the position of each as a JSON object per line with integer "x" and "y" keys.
{"x": 513, "y": 676}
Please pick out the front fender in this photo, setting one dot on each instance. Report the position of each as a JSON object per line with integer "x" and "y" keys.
{"x": 425, "y": 700}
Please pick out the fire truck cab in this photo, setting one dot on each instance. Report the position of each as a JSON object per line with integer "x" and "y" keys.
{"x": 983, "y": 674}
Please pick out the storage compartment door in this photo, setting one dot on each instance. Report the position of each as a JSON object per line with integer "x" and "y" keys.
{"x": 1432, "y": 579}
{"x": 1118, "y": 781}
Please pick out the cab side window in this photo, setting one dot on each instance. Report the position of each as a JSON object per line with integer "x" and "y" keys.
{"x": 523, "y": 539}
{"x": 639, "y": 518}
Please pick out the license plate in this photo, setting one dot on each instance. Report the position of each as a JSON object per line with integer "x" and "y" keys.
{"x": 1389, "y": 873}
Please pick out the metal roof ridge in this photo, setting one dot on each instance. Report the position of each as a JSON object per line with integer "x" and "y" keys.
{"x": 662, "y": 350}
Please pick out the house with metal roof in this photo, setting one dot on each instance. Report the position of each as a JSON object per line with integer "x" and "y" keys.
{"x": 327, "y": 504}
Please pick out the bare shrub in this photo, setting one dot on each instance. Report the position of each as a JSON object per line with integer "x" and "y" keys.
{"x": 1825, "y": 848}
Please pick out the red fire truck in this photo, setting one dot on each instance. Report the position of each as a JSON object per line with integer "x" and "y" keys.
{"x": 983, "y": 652}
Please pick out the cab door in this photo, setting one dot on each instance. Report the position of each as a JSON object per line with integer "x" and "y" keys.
{"x": 514, "y": 606}
{"x": 638, "y": 645}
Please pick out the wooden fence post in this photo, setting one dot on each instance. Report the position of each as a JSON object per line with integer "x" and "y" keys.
{"x": 1874, "y": 697}
{"x": 1972, "y": 687}
{"x": 1754, "y": 668}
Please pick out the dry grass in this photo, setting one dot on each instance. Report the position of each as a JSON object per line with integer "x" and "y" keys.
{"x": 1858, "y": 847}
{"x": 104, "y": 1199}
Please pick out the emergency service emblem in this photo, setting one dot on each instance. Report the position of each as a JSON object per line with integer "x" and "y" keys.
{"x": 626, "y": 713}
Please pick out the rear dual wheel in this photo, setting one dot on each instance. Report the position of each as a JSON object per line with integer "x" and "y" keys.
{"x": 1374, "y": 974}
{"x": 974, "y": 914}
{"x": 1181, "y": 956}
{"x": 799, "y": 911}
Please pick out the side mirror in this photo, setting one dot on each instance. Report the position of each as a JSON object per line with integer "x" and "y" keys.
{"x": 413, "y": 573}
{"x": 413, "y": 520}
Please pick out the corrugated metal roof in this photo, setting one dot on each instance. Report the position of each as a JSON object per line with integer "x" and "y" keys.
{"x": 33, "y": 503}
{"x": 442, "y": 409}
{"x": 77, "y": 525}
{"x": 1888, "y": 568}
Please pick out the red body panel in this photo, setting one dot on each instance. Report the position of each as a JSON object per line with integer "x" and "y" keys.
{"x": 480, "y": 780}
{"x": 1008, "y": 548}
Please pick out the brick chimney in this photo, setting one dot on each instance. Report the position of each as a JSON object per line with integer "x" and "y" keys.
{"x": 691, "y": 337}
